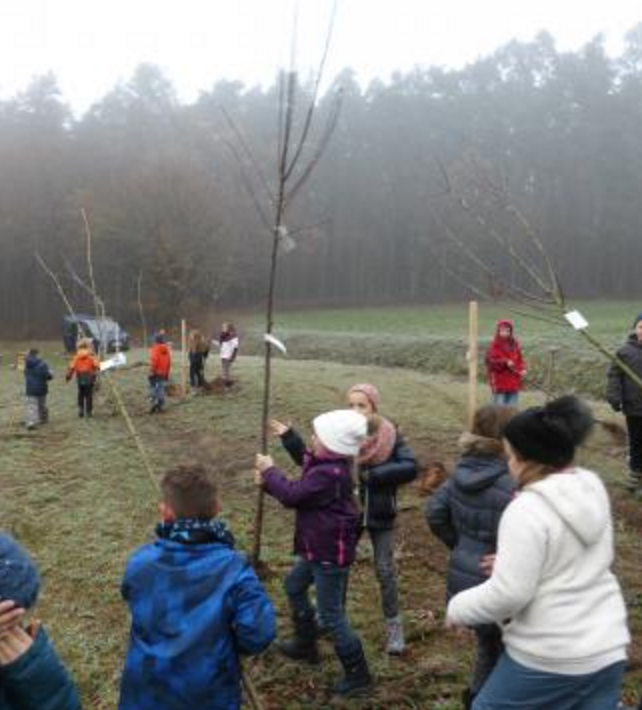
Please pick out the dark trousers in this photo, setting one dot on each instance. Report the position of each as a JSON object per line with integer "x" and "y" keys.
{"x": 85, "y": 398}
{"x": 489, "y": 650}
{"x": 330, "y": 582}
{"x": 196, "y": 376}
{"x": 634, "y": 428}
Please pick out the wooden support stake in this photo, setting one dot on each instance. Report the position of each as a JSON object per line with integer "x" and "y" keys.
{"x": 473, "y": 354}
{"x": 184, "y": 357}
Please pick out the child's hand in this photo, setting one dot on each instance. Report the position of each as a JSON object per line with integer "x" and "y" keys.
{"x": 279, "y": 428}
{"x": 13, "y": 644}
{"x": 10, "y": 616}
{"x": 258, "y": 478}
{"x": 263, "y": 462}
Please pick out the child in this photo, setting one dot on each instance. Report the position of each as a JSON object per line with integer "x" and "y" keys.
{"x": 198, "y": 352}
{"x": 32, "y": 676}
{"x": 505, "y": 365}
{"x": 464, "y": 514}
{"x": 552, "y": 590}
{"x": 160, "y": 363}
{"x": 228, "y": 341}
{"x": 625, "y": 395}
{"x": 37, "y": 376}
{"x": 384, "y": 463}
{"x": 86, "y": 366}
{"x": 325, "y": 539}
{"x": 195, "y": 604}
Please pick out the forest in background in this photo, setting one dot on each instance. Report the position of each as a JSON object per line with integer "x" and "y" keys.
{"x": 559, "y": 132}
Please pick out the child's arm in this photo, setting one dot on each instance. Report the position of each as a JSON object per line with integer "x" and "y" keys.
{"x": 33, "y": 677}
{"x": 312, "y": 490}
{"x": 516, "y": 576}
{"x": 254, "y": 621}
{"x": 400, "y": 468}
{"x": 439, "y": 518}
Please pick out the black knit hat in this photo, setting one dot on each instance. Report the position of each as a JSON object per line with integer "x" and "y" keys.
{"x": 550, "y": 434}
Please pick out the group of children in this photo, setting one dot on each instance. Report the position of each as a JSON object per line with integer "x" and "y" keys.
{"x": 85, "y": 367}
{"x": 531, "y": 536}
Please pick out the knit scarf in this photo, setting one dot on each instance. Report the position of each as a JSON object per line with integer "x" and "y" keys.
{"x": 377, "y": 449}
{"x": 195, "y": 531}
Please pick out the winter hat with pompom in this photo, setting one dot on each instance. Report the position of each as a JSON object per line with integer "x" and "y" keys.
{"x": 550, "y": 434}
{"x": 341, "y": 431}
{"x": 19, "y": 578}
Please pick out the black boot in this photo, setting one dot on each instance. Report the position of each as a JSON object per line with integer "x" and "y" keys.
{"x": 358, "y": 680}
{"x": 303, "y": 647}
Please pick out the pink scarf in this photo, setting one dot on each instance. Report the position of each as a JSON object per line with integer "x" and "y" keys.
{"x": 377, "y": 449}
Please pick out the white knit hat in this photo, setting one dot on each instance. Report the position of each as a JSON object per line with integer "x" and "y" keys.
{"x": 341, "y": 431}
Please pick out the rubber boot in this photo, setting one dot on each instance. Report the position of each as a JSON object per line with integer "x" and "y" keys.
{"x": 303, "y": 646}
{"x": 357, "y": 680}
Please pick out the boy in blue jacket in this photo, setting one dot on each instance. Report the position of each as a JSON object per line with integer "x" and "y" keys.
{"x": 37, "y": 376}
{"x": 32, "y": 677}
{"x": 196, "y": 604}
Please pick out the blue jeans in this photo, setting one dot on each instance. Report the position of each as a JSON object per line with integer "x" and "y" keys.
{"x": 506, "y": 399}
{"x": 512, "y": 686}
{"x": 331, "y": 582}
{"x": 157, "y": 390}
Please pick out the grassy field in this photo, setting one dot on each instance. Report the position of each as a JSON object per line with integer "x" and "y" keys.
{"x": 433, "y": 339}
{"x": 75, "y": 493}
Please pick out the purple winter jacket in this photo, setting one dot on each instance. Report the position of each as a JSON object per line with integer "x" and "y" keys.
{"x": 327, "y": 517}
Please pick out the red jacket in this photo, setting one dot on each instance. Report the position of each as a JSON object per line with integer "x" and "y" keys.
{"x": 504, "y": 361}
{"x": 160, "y": 360}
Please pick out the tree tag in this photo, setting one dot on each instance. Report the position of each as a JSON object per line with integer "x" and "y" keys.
{"x": 577, "y": 320}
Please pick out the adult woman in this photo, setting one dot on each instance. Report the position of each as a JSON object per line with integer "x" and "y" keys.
{"x": 561, "y": 609}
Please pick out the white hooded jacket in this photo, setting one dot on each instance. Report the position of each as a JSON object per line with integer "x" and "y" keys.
{"x": 552, "y": 589}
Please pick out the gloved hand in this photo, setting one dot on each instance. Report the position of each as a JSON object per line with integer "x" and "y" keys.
{"x": 68, "y": 377}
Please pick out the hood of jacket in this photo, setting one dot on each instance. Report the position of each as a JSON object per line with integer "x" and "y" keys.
{"x": 32, "y": 362}
{"x": 579, "y": 498}
{"x": 482, "y": 463}
{"x": 633, "y": 340}
{"x": 504, "y": 323}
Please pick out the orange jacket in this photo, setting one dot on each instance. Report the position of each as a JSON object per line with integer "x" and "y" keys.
{"x": 160, "y": 360}
{"x": 83, "y": 363}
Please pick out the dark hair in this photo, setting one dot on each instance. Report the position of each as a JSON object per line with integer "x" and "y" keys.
{"x": 191, "y": 491}
{"x": 491, "y": 420}
{"x": 33, "y": 351}
{"x": 550, "y": 434}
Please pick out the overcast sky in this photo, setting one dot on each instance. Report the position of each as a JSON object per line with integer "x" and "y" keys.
{"x": 90, "y": 45}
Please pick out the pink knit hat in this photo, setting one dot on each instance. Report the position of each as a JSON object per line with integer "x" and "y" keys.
{"x": 370, "y": 391}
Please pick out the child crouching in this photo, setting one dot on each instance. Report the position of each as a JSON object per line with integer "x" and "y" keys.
{"x": 325, "y": 539}
{"x": 195, "y": 603}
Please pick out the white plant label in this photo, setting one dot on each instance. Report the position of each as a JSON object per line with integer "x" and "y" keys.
{"x": 276, "y": 342}
{"x": 577, "y": 320}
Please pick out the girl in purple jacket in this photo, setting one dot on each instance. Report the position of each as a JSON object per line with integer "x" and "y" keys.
{"x": 325, "y": 539}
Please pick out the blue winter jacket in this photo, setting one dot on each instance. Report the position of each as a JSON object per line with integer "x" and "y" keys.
{"x": 465, "y": 511}
{"x": 37, "y": 680}
{"x": 194, "y": 608}
{"x": 37, "y": 376}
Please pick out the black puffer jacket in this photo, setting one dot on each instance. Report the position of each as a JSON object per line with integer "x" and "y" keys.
{"x": 465, "y": 511}
{"x": 621, "y": 392}
{"x": 378, "y": 486}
